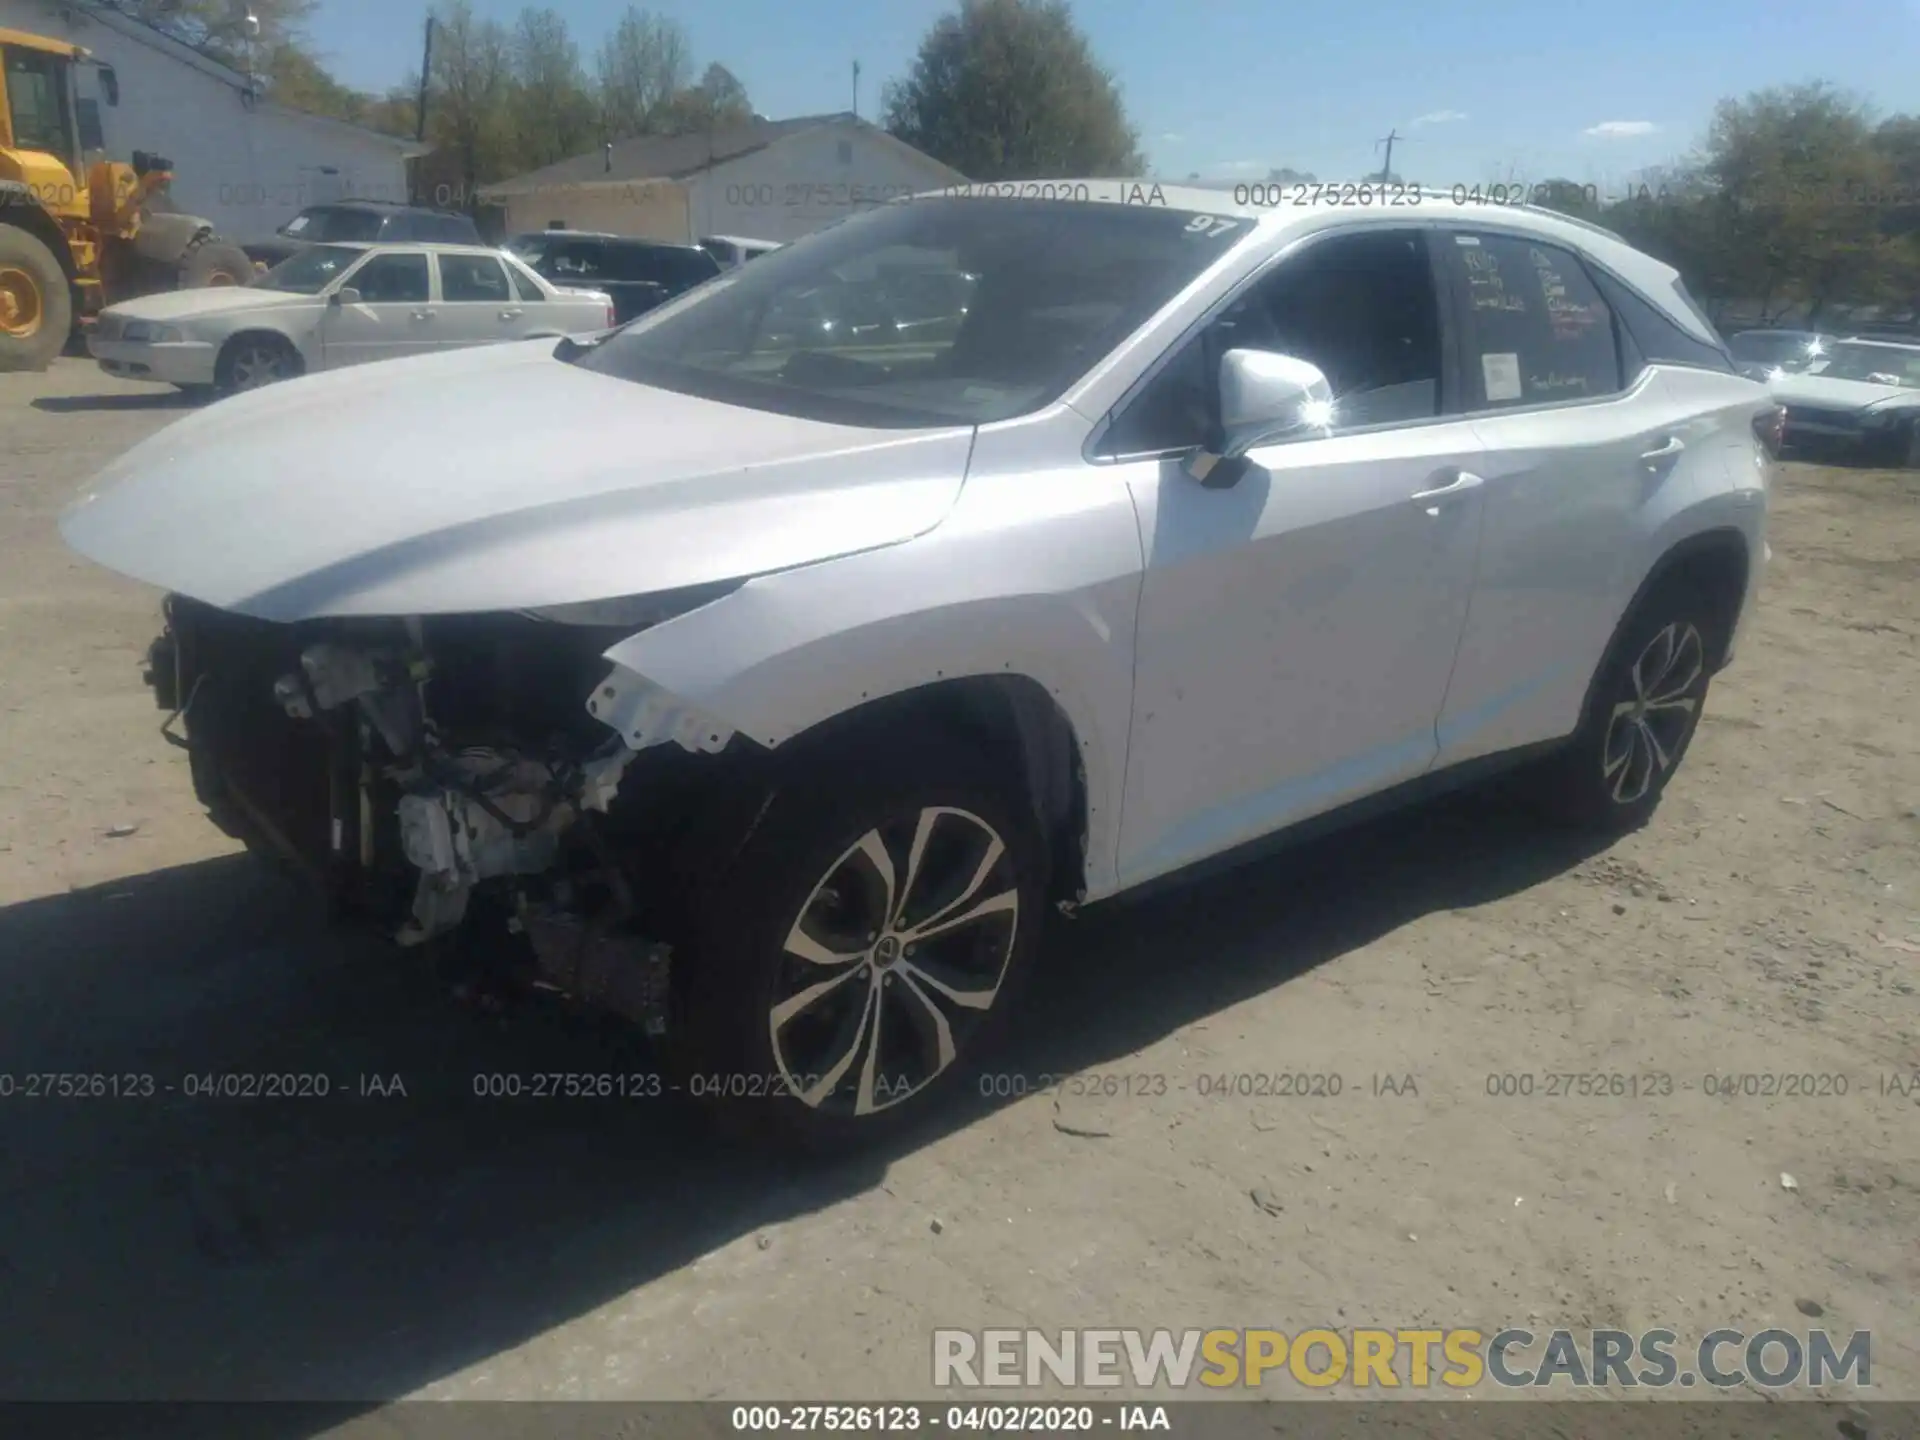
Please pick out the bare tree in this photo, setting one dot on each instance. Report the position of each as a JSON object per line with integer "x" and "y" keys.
{"x": 643, "y": 64}
{"x": 472, "y": 82}
{"x": 554, "y": 113}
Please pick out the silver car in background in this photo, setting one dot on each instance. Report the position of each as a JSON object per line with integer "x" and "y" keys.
{"x": 334, "y": 305}
{"x": 1857, "y": 398}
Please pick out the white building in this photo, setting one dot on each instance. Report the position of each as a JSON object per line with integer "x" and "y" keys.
{"x": 240, "y": 161}
{"x": 770, "y": 180}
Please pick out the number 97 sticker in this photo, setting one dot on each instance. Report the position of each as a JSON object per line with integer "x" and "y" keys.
{"x": 1211, "y": 226}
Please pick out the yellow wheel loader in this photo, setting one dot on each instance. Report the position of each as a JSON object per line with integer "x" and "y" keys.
{"x": 78, "y": 233}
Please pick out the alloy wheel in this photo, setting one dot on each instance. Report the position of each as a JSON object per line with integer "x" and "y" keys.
{"x": 895, "y": 958}
{"x": 20, "y": 308}
{"x": 257, "y": 365}
{"x": 1649, "y": 725}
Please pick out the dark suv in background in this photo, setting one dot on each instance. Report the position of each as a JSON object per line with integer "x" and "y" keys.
{"x": 638, "y": 274}
{"x": 364, "y": 222}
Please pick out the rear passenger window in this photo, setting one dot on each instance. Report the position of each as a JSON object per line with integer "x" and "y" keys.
{"x": 1536, "y": 329}
{"x": 1655, "y": 336}
{"x": 472, "y": 277}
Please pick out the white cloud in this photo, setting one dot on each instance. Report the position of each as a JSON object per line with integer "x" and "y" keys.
{"x": 1436, "y": 117}
{"x": 1172, "y": 137}
{"x": 1621, "y": 129}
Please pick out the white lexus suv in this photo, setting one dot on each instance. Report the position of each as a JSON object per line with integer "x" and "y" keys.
{"x": 770, "y": 683}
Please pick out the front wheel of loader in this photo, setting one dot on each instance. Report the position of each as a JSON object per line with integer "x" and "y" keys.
{"x": 214, "y": 262}
{"x": 36, "y": 308}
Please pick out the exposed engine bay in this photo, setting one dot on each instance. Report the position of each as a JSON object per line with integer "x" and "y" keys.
{"x": 421, "y": 770}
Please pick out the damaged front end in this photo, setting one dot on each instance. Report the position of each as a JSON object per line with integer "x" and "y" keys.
{"x": 417, "y": 771}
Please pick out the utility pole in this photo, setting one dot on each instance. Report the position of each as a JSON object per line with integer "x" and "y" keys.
{"x": 856, "y": 89}
{"x": 426, "y": 69}
{"x": 1386, "y": 166}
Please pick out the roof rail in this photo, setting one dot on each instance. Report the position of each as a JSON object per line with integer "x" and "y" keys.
{"x": 1575, "y": 220}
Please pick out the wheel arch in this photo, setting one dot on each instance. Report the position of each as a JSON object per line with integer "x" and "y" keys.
{"x": 1719, "y": 561}
{"x": 1016, "y": 722}
{"x": 258, "y": 332}
{"x": 20, "y": 211}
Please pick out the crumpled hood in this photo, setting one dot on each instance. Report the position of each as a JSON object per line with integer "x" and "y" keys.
{"x": 496, "y": 478}
{"x": 1832, "y": 394}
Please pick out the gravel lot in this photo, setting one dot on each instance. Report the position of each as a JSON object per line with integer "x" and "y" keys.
{"x": 364, "y": 1246}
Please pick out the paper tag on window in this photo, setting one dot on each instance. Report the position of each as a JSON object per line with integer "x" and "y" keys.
{"x": 1501, "y": 373}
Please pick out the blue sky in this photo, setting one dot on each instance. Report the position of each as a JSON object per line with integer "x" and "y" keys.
{"x": 1486, "y": 89}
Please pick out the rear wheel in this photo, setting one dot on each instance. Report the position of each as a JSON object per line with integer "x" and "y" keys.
{"x": 1642, "y": 714}
{"x": 36, "y": 307}
{"x": 250, "y": 361}
{"x": 865, "y": 946}
{"x": 214, "y": 262}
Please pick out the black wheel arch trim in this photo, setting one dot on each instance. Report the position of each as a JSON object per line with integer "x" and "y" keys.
{"x": 23, "y": 212}
{"x": 1725, "y": 545}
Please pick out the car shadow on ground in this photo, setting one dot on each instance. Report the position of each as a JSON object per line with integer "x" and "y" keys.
{"x": 167, "y": 399}
{"x": 360, "y": 1245}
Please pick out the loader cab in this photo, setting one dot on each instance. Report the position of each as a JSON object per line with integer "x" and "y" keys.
{"x": 50, "y": 104}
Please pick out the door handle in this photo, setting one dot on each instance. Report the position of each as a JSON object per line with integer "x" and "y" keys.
{"x": 1666, "y": 450}
{"x": 1432, "y": 500}
{"x": 510, "y": 314}
{"x": 423, "y": 315}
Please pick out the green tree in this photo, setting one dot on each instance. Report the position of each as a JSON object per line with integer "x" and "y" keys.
{"x": 1009, "y": 90}
{"x": 296, "y": 79}
{"x": 1793, "y": 173}
{"x": 219, "y": 28}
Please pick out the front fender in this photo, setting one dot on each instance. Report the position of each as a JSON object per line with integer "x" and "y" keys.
{"x": 1025, "y": 578}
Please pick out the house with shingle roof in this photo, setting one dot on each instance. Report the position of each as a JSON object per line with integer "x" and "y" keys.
{"x": 772, "y": 180}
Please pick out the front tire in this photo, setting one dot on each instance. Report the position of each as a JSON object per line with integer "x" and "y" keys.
{"x": 36, "y": 307}
{"x": 863, "y": 949}
{"x": 1642, "y": 713}
{"x": 251, "y": 361}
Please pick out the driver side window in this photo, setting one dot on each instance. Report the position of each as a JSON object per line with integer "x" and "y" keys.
{"x": 1360, "y": 306}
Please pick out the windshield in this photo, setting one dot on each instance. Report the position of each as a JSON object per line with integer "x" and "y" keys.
{"x": 940, "y": 311}
{"x": 530, "y": 247}
{"x": 1878, "y": 364}
{"x": 323, "y": 222}
{"x": 1770, "y": 345}
{"x": 309, "y": 272}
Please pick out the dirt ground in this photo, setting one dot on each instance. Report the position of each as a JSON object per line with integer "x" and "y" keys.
{"x": 438, "y": 1244}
